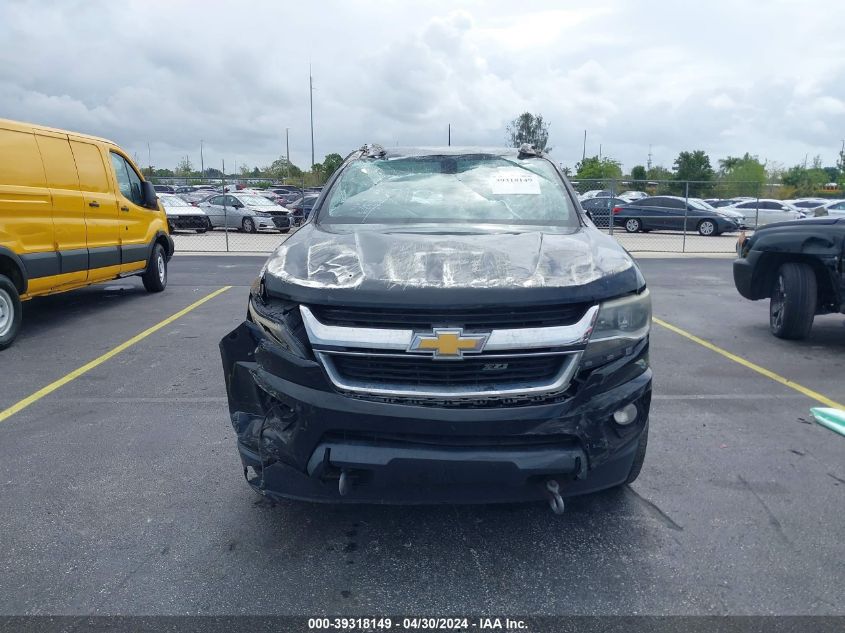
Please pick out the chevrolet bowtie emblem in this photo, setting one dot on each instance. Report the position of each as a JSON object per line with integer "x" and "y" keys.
{"x": 448, "y": 343}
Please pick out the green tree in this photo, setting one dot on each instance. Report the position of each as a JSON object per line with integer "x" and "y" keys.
{"x": 593, "y": 167}
{"x": 639, "y": 177}
{"x": 531, "y": 129}
{"x": 742, "y": 175}
{"x": 840, "y": 163}
{"x": 693, "y": 166}
{"x": 330, "y": 164}
{"x": 163, "y": 173}
{"x": 184, "y": 168}
{"x": 804, "y": 181}
{"x": 211, "y": 172}
{"x": 280, "y": 168}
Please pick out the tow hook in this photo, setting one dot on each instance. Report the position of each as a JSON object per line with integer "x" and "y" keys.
{"x": 344, "y": 483}
{"x": 555, "y": 501}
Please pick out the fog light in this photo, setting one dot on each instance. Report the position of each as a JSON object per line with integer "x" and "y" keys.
{"x": 625, "y": 415}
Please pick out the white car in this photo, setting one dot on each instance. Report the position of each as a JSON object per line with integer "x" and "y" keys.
{"x": 835, "y": 208}
{"x": 764, "y": 211}
{"x": 182, "y": 215}
{"x": 811, "y": 207}
{"x": 630, "y": 196}
{"x": 594, "y": 193}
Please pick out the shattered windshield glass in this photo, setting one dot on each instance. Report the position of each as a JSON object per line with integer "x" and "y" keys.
{"x": 449, "y": 189}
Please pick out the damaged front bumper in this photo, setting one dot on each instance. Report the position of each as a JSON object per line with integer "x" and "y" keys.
{"x": 298, "y": 437}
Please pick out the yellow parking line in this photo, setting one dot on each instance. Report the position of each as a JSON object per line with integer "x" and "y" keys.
{"x": 76, "y": 373}
{"x": 814, "y": 395}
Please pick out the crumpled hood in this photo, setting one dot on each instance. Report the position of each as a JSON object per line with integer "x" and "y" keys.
{"x": 397, "y": 258}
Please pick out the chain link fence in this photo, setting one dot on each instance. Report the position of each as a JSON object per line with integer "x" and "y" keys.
{"x": 664, "y": 216}
{"x": 670, "y": 216}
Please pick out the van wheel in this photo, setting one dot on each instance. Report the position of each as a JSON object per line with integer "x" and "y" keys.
{"x": 155, "y": 278}
{"x": 249, "y": 225}
{"x": 793, "y": 303}
{"x": 637, "y": 466}
{"x": 10, "y": 312}
{"x": 633, "y": 225}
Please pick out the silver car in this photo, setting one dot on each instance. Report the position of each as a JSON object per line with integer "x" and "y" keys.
{"x": 246, "y": 212}
{"x": 765, "y": 211}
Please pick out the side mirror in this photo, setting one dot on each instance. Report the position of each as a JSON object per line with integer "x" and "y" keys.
{"x": 148, "y": 196}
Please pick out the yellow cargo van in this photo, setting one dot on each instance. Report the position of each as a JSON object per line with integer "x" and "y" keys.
{"x": 74, "y": 211}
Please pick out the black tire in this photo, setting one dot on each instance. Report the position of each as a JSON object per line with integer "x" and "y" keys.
{"x": 633, "y": 225}
{"x": 201, "y": 230}
{"x": 708, "y": 228}
{"x": 11, "y": 313}
{"x": 639, "y": 458}
{"x": 155, "y": 277}
{"x": 792, "y": 306}
{"x": 249, "y": 225}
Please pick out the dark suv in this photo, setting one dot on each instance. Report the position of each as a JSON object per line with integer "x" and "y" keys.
{"x": 446, "y": 327}
{"x": 799, "y": 266}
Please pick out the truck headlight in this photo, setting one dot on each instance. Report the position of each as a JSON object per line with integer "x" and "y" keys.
{"x": 620, "y": 325}
{"x": 282, "y": 323}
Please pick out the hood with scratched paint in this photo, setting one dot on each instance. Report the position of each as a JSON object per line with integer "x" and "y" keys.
{"x": 394, "y": 263}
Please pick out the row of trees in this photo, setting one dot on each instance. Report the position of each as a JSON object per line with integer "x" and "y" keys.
{"x": 733, "y": 175}
{"x": 279, "y": 169}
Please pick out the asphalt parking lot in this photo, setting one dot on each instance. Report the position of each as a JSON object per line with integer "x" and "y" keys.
{"x": 122, "y": 492}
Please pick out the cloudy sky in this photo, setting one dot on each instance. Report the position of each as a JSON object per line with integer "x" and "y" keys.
{"x": 767, "y": 77}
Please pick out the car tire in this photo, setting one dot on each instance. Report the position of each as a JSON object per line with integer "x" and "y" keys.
{"x": 155, "y": 277}
{"x": 792, "y": 305}
{"x": 11, "y": 313}
{"x": 201, "y": 230}
{"x": 249, "y": 225}
{"x": 708, "y": 228}
{"x": 633, "y": 225}
{"x": 639, "y": 458}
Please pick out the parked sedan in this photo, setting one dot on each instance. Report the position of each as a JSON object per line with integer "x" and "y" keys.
{"x": 765, "y": 211}
{"x": 659, "y": 213}
{"x": 598, "y": 209}
{"x": 811, "y": 207}
{"x": 195, "y": 197}
{"x": 835, "y": 208}
{"x": 302, "y": 206}
{"x": 164, "y": 188}
{"x": 182, "y": 215}
{"x": 246, "y": 212}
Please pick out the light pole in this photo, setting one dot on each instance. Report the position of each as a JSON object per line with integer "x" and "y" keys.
{"x": 287, "y": 150}
{"x": 311, "y": 103}
{"x": 202, "y": 164}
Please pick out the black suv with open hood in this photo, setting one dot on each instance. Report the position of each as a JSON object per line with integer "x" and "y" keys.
{"x": 447, "y": 326}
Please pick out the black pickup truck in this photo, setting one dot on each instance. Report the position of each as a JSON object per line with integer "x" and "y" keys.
{"x": 445, "y": 327}
{"x": 799, "y": 267}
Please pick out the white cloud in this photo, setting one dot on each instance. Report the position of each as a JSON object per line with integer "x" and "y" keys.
{"x": 722, "y": 77}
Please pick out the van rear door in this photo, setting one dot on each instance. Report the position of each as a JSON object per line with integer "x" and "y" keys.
{"x": 68, "y": 207}
{"x": 100, "y": 210}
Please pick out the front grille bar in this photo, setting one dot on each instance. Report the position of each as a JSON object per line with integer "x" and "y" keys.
{"x": 558, "y": 383}
{"x": 335, "y": 336}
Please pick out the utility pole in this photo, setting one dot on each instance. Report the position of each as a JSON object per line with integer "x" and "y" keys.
{"x": 599, "y": 152}
{"x": 149, "y": 159}
{"x": 202, "y": 164}
{"x": 648, "y": 163}
{"x": 311, "y": 103}
{"x": 287, "y": 149}
{"x": 584, "y": 150}
{"x": 449, "y": 133}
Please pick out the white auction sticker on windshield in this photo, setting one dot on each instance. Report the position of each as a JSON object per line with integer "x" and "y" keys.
{"x": 515, "y": 182}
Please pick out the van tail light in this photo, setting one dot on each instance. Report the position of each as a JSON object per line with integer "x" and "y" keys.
{"x": 616, "y": 210}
